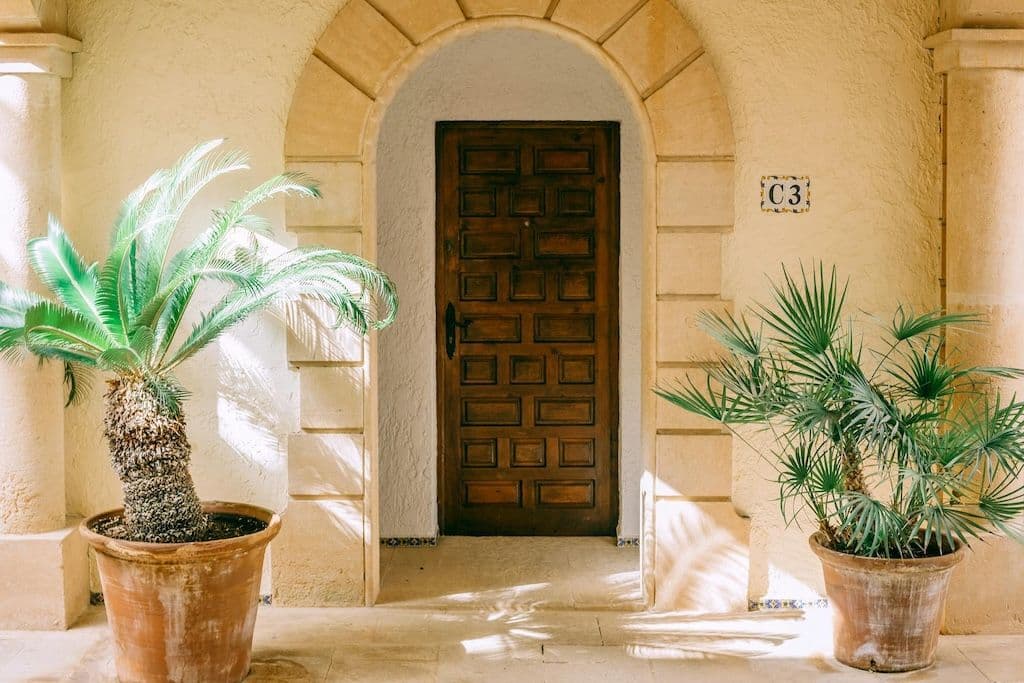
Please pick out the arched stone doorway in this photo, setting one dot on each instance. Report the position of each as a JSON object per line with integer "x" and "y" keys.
{"x": 693, "y": 544}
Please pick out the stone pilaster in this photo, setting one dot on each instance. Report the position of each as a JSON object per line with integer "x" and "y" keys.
{"x": 44, "y": 576}
{"x": 984, "y": 223}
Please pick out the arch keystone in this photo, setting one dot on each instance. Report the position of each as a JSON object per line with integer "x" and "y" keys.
{"x": 486, "y": 8}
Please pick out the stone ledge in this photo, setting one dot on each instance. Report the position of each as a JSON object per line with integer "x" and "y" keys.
{"x": 977, "y": 48}
{"x": 37, "y": 53}
{"x": 44, "y": 579}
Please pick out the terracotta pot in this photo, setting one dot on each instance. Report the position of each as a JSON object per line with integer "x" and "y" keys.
{"x": 183, "y": 612}
{"x": 887, "y": 613}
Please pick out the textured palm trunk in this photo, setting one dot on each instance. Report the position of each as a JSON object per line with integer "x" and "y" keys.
{"x": 150, "y": 454}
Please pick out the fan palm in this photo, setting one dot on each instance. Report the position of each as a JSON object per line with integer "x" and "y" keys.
{"x": 897, "y": 451}
{"x": 125, "y": 317}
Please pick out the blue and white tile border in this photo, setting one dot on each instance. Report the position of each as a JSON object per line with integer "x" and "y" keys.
{"x": 765, "y": 604}
{"x": 410, "y": 542}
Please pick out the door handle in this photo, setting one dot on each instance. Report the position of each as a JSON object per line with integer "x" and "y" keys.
{"x": 450, "y": 323}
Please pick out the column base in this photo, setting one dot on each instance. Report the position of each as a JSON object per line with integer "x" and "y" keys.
{"x": 44, "y": 579}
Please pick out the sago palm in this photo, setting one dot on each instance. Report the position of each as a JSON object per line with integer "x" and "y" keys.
{"x": 125, "y": 317}
{"x": 896, "y": 451}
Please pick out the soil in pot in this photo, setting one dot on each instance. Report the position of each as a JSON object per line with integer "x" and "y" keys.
{"x": 887, "y": 613}
{"x": 220, "y": 526}
{"x": 184, "y": 612}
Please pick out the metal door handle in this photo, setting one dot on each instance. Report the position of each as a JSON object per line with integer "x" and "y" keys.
{"x": 450, "y": 323}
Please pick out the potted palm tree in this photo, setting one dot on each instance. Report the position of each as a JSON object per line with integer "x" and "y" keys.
{"x": 899, "y": 453}
{"x": 180, "y": 577}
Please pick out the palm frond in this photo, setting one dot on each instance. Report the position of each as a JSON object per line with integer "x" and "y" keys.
{"x": 193, "y": 172}
{"x": 190, "y": 266}
{"x": 808, "y": 316}
{"x": 924, "y": 375}
{"x": 873, "y": 529}
{"x": 56, "y": 330}
{"x": 906, "y": 325}
{"x": 65, "y": 273}
{"x": 735, "y": 334}
{"x": 361, "y": 295}
{"x": 949, "y": 525}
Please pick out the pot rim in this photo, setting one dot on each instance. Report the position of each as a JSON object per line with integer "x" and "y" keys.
{"x": 935, "y": 563}
{"x": 190, "y": 551}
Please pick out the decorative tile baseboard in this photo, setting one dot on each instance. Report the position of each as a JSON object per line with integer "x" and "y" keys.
{"x": 411, "y": 542}
{"x": 628, "y": 541}
{"x": 784, "y": 603}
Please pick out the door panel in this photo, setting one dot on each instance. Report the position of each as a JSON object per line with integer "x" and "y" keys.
{"x": 528, "y": 258}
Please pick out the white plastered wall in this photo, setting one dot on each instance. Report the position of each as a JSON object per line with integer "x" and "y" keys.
{"x": 501, "y": 74}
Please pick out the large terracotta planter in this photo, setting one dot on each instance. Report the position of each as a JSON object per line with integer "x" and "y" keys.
{"x": 183, "y": 612}
{"x": 887, "y": 613}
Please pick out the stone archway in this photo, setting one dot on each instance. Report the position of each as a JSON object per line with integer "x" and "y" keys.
{"x": 693, "y": 543}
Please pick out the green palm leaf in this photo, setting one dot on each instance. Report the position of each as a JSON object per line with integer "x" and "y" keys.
{"x": 808, "y": 316}
{"x": 66, "y": 274}
{"x": 55, "y": 330}
{"x": 361, "y": 295}
{"x": 906, "y": 325}
{"x": 124, "y": 317}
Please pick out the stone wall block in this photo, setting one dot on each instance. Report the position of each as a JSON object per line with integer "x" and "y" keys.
{"x": 343, "y": 240}
{"x": 694, "y": 465}
{"x": 702, "y": 558}
{"x": 44, "y": 579}
{"x": 679, "y": 338}
{"x": 420, "y": 19}
{"x": 655, "y": 40}
{"x": 317, "y": 559}
{"x": 695, "y": 193}
{"x": 341, "y": 184}
{"x": 313, "y": 337}
{"x": 331, "y": 397}
{"x": 593, "y": 19}
{"x": 689, "y": 114}
{"x": 325, "y": 464}
{"x": 668, "y": 416}
{"x": 689, "y": 263}
{"x": 363, "y": 45}
{"x": 328, "y": 115}
{"x": 524, "y": 8}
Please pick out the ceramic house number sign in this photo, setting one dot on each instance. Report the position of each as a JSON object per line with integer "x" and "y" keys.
{"x": 785, "y": 193}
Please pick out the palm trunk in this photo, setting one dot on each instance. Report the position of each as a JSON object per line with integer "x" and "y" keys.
{"x": 150, "y": 454}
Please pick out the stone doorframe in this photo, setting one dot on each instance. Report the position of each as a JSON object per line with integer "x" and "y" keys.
{"x": 694, "y": 545}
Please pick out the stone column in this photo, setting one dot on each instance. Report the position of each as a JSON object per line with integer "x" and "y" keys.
{"x": 44, "y": 574}
{"x": 984, "y": 222}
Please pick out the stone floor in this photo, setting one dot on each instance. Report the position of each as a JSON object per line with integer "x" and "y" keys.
{"x": 512, "y": 573}
{"x": 521, "y": 611}
{"x": 406, "y": 645}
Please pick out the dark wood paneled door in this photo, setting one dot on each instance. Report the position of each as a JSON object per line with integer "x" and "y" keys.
{"x": 527, "y": 311}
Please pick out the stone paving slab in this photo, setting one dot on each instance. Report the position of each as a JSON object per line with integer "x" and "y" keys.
{"x": 408, "y": 645}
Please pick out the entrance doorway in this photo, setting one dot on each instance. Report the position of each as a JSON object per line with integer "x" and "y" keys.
{"x": 527, "y": 328}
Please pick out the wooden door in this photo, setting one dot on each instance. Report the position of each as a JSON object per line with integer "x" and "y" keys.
{"x": 527, "y": 306}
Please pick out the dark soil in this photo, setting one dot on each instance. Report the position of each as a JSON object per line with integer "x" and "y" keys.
{"x": 220, "y": 526}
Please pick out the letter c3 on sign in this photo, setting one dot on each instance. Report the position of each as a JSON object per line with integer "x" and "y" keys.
{"x": 785, "y": 193}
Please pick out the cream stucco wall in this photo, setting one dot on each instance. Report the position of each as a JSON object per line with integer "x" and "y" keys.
{"x": 838, "y": 89}
{"x": 503, "y": 74}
